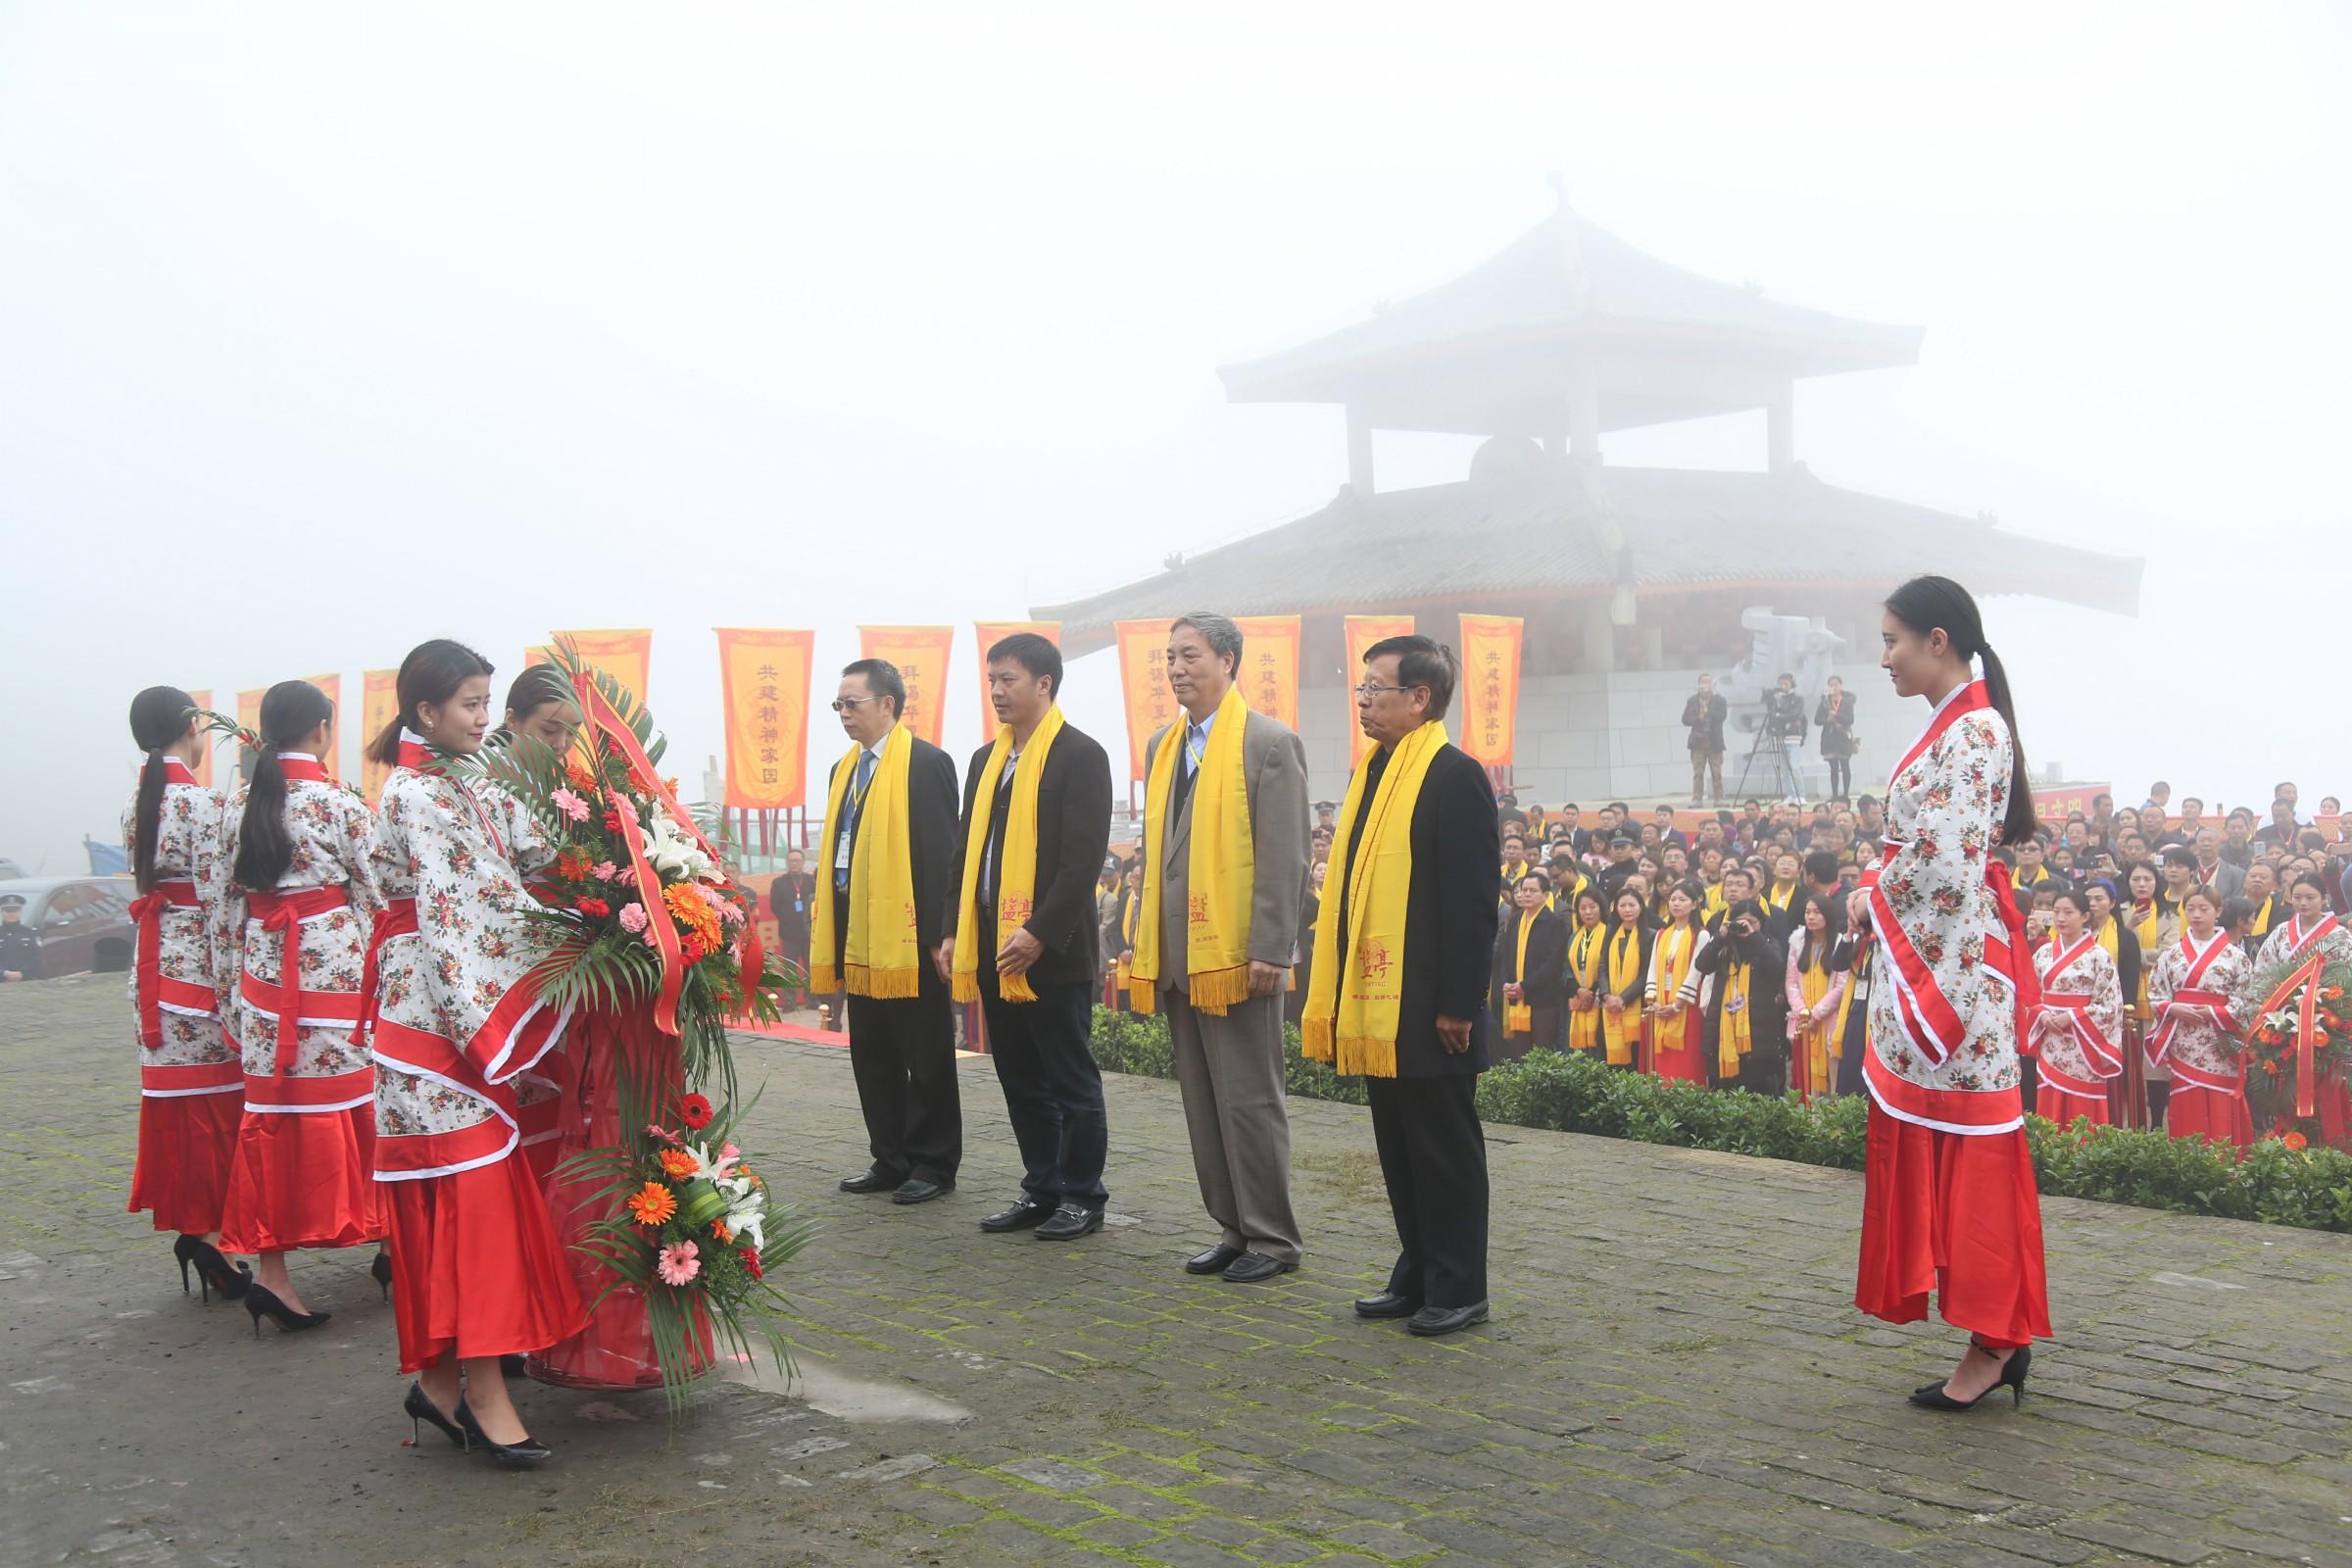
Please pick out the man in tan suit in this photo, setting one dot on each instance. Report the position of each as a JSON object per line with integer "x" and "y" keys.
{"x": 1230, "y": 1064}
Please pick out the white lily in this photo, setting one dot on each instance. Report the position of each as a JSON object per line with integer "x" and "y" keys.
{"x": 747, "y": 1221}
{"x": 722, "y": 1171}
{"x": 670, "y": 850}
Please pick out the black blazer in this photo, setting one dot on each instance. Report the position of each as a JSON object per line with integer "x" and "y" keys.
{"x": 1073, "y": 823}
{"x": 931, "y": 846}
{"x": 1451, "y": 912}
{"x": 1545, "y": 974}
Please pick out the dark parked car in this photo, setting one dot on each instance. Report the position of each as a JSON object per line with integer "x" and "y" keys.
{"x": 83, "y": 921}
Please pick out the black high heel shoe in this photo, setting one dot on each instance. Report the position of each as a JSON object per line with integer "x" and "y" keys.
{"x": 419, "y": 1408}
{"x": 212, "y": 1269}
{"x": 380, "y": 1271}
{"x": 260, "y": 1298}
{"x": 522, "y": 1456}
{"x": 2013, "y": 1377}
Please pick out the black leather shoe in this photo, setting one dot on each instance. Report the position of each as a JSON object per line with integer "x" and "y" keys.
{"x": 1432, "y": 1321}
{"x": 870, "y": 1180}
{"x": 1212, "y": 1261}
{"x": 1019, "y": 1217}
{"x": 1388, "y": 1303}
{"x": 1070, "y": 1222}
{"x": 1253, "y": 1267}
{"x": 915, "y": 1190}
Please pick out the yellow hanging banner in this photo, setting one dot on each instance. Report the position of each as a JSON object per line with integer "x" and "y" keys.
{"x": 204, "y": 758}
{"x": 1491, "y": 686}
{"x": 921, "y": 654}
{"x": 379, "y": 704}
{"x": 1144, "y": 680}
{"x": 989, "y": 633}
{"x": 1362, "y": 632}
{"x": 626, "y": 654}
{"x": 1269, "y": 674}
{"x": 332, "y": 686}
{"x": 763, "y": 675}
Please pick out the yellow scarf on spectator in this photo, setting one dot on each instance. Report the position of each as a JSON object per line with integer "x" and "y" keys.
{"x": 1736, "y": 1038}
{"x": 1821, "y": 1041}
{"x": 1621, "y": 1029}
{"x": 882, "y": 955}
{"x": 1584, "y": 945}
{"x": 1353, "y": 1001}
{"x": 1221, "y": 867}
{"x": 1668, "y": 1032}
{"x": 1519, "y": 1017}
{"x": 1017, "y": 867}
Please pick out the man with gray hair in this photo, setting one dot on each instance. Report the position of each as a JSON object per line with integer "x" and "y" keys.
{"x": 1224, "y": 853}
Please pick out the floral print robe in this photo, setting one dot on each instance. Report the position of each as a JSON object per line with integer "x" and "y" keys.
{"x": 2195, "y": 1043}
{"x": 2092, "y": 974}
{"x": 458, "y": 978}
{"x": 333, "y": 837}
{"x": 196, "y": 1056}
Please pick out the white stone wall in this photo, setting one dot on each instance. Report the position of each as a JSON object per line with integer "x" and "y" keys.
{"x": 1619, "y": 736}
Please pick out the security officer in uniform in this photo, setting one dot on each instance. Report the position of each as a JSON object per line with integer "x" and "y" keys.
{"x": 19, "y": 946}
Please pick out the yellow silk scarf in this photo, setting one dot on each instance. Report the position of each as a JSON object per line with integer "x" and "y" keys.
{"x": 1220, "y": 867}
{"x": 1519, "y": 1017}
{"x": 1621, "y": 1029}
{"x": 883, "y": 957}
{"x": 1737, "y": 1036}
{"x": 1821, "y": 1041}
{"x": 1017, "y": 868}
{"x": 1354, "y": 1026}
{"x": 1584, "y": 970}
{"x": 1667, "y": 1032}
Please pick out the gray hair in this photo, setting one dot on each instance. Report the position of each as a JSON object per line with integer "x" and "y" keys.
{"x": 1223, "y": 637}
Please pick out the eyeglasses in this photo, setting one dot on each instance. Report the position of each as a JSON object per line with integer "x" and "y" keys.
{"x": 1373, "y": 688}
{"x": 841, "y": 705}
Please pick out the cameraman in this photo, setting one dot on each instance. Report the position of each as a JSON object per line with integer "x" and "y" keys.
{"x": 1746, "y": 1002}
{"x": 1785, "y": 726}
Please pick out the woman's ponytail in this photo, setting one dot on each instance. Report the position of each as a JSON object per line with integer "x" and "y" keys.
{"x": 159, "y": 716}
{"x": 2021, "y": 821}
{"x": 290, "y": 711}
{"x": 1926, "y": 602}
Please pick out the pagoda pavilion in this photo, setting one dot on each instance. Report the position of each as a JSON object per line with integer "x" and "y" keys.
{"x": 1632, "y": 580}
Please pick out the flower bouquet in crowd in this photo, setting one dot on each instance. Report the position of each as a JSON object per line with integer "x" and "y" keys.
{"x": 2298, "y": 1044}
{"x": 655, "y": 947}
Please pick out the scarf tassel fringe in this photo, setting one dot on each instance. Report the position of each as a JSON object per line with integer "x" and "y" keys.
{"x": 1350, "y": 1057}
{"x": 882, "y": 985}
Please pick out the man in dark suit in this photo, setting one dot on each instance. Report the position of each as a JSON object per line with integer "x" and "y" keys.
{"x": 902, "y": 1049}
{"x": 1433, "y": 1154}
{"x": 1703, "y": 714}
{"x": 1052, "y": 1088}
{"x": 790, "y": 899}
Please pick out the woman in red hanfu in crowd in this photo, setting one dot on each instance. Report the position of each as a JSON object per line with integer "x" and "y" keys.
{"x": 1948, "y": 1197}
{"x": 290, "y": 941}
{"x": 478, "y": 1270}
{"x": 2312, "y": 931}
{"x": 2189, "y": 986}
{"x": 2079, "y": 1034}
{"x": 187, "y": 1063}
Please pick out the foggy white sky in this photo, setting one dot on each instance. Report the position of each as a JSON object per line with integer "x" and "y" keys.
{"x": 325, "y": 330}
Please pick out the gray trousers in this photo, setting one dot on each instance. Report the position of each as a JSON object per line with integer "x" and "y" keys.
{"x": 1231, "y": 1071}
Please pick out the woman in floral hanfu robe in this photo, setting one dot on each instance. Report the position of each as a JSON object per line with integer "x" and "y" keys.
{"x": 188, "y": 1071}
{"x": 2079, "y": 1034}
{"x": 2195, "y": 1035}
{"x": 2311, "y": 931}
{"x": 478, "y": 1270}
{"x": 299, "y": 887}
{"x": 1949, "y": 1199}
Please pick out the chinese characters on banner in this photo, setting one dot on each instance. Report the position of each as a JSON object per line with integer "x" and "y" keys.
{"x": 1269, "y": 674}
{"x": 627, "y": 656}
{"x": 204, "y": 756}
{"x": 1491, "y": 686}
{"x": 764, "y": 685}
{"x": 921, "y": 654}
{"x": 332, "y": 686}
{"x": 1144, "y": 678}
{"x": 992, "y": 632}
{"x": 379, "y": 703}
{"x": 1362, "y": 632}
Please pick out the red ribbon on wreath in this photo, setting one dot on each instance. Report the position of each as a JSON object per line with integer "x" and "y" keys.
{"x": 2307, "y": 1028}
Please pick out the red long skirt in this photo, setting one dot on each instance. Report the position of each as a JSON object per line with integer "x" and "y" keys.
{"x": 1957, "y": 1215}
{"x": 477, "y": 1269}
{"x": 302, "y": 1179}
{"x": 2062, "y": 1107}
{"x": 2215, "y": 1113}
{"x": 187, "y": 1144}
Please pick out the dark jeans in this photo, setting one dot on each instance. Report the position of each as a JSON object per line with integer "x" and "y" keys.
{"x": 1052, "y": 1088}
{"x": 902, "y": 1054}
{"x": 1842, "y": 775}
{"x": 1433, "y": 1156}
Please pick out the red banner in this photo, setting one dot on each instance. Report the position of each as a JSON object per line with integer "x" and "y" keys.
{"x": 764, "y": 676}
{"x": 989, "y": 633}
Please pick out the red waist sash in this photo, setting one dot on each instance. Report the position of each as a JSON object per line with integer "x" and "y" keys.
{"x": 283, "y": 913}
{"x": 148, "y": 910}
{"x": 397, "y": 918}
{"x": 2102, "y": 1057}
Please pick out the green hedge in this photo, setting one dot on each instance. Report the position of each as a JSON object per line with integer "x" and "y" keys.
{"x": 2311, "y": 1187}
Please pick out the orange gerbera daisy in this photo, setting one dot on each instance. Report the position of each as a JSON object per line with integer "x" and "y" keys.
{"x": 679, "y": 1163}
{"x": 653, "y": 1204}
{"x": 718, "y": 1229}
{"x": 2294, "y": 1141}
{"x": 694, "y": 913}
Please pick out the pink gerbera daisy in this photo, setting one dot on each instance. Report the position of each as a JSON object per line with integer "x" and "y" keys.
{"x": 680, "y": 1264}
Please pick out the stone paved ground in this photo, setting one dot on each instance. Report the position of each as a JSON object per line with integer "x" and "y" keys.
{"x": 1673, "y": 1376}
